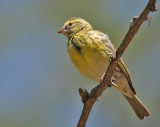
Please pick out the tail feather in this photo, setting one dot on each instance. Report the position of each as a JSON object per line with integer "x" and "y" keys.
{"x": 140, "y": 110}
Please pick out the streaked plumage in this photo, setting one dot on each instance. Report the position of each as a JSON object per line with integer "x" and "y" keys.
{"x": 90, "y": 52}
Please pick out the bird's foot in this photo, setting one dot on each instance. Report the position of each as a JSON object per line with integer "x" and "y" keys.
{"x": 102, "y": 80}
{"x": 112, "y": 82}
{"x": 112, "y": 55}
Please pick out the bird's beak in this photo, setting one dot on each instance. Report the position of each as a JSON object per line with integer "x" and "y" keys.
{"x": 63, "y": 30}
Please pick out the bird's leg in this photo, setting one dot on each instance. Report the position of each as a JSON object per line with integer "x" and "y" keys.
{"x": 112, "y": 82}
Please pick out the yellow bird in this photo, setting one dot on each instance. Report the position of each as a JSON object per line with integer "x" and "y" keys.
{"x": 90, "y": 51}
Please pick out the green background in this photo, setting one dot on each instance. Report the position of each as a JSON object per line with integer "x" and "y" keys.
{"x": 39, "y": 84}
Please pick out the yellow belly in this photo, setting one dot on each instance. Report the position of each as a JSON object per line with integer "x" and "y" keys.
{"x": 91, "y": 62}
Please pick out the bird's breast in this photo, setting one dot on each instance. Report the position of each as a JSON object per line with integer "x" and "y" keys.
{"x": 91, "y": 62}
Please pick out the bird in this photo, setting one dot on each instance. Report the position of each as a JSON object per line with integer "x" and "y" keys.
{"x": 90, "y": 51}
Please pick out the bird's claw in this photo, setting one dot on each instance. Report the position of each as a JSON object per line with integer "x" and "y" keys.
{"x": 102, "y": 80}
{"x": 112, "y": 55}
{"x": 112, "y": 82}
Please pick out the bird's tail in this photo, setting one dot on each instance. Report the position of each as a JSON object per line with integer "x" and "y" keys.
{"x": 140, "y": 110}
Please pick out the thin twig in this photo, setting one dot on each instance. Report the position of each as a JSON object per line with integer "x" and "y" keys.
{"x": 90, "y": 99}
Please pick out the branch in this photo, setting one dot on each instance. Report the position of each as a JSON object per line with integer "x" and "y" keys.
{"x": 89, "y": 99}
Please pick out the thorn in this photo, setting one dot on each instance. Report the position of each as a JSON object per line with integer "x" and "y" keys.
{"x": 154, "y": 8}
{"x": 149, "y": 20}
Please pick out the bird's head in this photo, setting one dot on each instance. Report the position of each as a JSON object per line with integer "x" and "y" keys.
{"x": 74, "y": 25}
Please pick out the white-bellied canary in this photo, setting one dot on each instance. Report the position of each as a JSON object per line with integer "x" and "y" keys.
{"x": 90, "y": 51}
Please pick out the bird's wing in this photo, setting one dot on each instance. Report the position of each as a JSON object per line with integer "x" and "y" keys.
{"x": 111, "y": 49}
{"x": 122, "y": 65}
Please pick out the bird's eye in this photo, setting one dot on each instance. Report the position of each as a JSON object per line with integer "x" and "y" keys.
{"x": 70, "y": 23}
